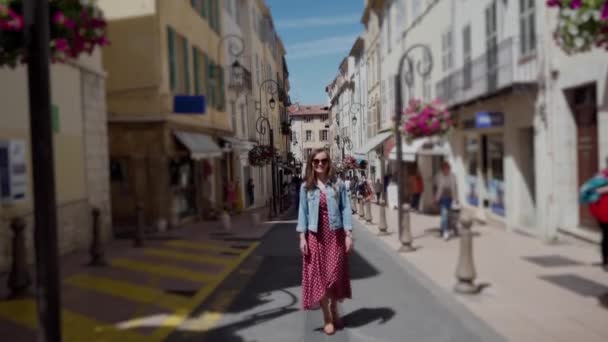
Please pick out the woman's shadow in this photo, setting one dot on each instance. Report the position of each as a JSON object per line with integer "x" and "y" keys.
{"x": 365, "y": 316}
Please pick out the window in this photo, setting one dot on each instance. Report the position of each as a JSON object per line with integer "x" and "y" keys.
{"x": 378, "y": 63}
{"x": 213, "y": 8}
{"x": 179, "y": 64}
{"x": 491, "y": 47}
{"x": 447, "y": 56}
{"x": 243, "y": 120}
{"x": 427, "y": 91}
{"x": 233, "y": 115}
{"x": 308, "y": 152}
{"x": 388, "y": 26}
{"x": 415, "y": 9}
{"x": 323, "y": 135}
{"x": 527, "y": 29}
{"x": 199, "y": 60}
{"x": 257, "y": 68}
{"x": 308, "y": 135}
{"x": 466, "y": 55}
{"x": 308, "y": 119}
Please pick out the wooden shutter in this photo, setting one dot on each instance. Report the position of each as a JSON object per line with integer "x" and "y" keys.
{"x": 196, "y": 71}
{"x": 186, "y": 52}
{"x": 171, "y": 55}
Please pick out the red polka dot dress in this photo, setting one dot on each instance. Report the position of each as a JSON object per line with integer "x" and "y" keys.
{"x": 325, "y": 266}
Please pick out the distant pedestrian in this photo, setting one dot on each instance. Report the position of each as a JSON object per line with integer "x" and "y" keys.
{"x": 378, "y": 189}
{"x": 250, "y": 192}
{"x": 594, "y": 192}
{"x": 445, "y": 195}
{"x": 417, "y": 187}
{"x": 325, "y": 227}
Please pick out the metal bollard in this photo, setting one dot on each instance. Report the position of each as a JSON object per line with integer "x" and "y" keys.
{"x": 368, "y": 211}
{"x": 361, "y": 210}
{"x": 96, "y": 250}
{"x": 255, "y": 218}
{"x": 382, "y": 226}
{"x": 19, "y": 279}
{"x": 138, "y": 240}
{"x": 465, "y": 271}
{"x": 405, "y": 234}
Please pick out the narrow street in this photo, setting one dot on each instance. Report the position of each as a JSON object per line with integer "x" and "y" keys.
{"x": 392, "y": 302}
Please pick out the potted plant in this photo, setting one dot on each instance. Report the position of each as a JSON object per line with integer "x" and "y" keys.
{"x": 582, "y": 25}
{"x": 426, "y": 119}
{"x": 76, "y": 27}
{"x": 261, "y": 155}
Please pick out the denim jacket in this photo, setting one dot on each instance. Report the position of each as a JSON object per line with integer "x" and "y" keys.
{"x": 338, "y": 208}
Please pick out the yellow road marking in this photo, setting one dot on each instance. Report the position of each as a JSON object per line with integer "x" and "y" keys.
{"x": 163, "y": 270}
{"x": 201, "y": 259}
{"x": 178, "y": 318}
{"x": 75, "y": 327}
{"x": 204, "y": 246}
{"x": 137, "y": 293}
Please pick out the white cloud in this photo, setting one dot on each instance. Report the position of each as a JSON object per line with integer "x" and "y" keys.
{"x": 321, "y": 47}
{"x": 318, "y": 21}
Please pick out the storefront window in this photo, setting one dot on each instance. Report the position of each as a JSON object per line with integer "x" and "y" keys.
{"x": 494, "y": 160}
{"x": 472, "y": 165}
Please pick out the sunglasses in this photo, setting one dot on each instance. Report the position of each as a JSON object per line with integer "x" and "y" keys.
{"x": 320, "y": 161}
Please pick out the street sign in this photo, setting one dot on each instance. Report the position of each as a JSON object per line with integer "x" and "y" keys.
{"x": 189, "y": 104}
{"x": 13, "y": 171}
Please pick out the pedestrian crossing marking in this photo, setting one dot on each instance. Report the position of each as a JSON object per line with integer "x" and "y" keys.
{"x": 201, "y": 259}
{"x": 178, "y": 318}
{"x": 204, "y": 246}
{"x": 75, "y": 327}
{"x": 129, "y": 291}
{"x": 163, "y": 270}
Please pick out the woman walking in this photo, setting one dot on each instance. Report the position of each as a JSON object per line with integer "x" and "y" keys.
{"x": 594, "y": 192}
{"x": 445, "y": 196}
{"x": 325, "y": 230}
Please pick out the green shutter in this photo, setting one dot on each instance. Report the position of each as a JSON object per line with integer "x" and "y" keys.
{"x": 196, "y": 71}
{"x": 204, "y": 8}
{"x": 186, "y": 65}
{"x": 171, "y": 55}
{"x": 193, "y": 3}
{"x": 210, "y": 89}
{"x": 55, "y": 118}
{"x": 221, "y": 92}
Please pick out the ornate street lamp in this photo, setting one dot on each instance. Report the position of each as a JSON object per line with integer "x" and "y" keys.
{"x": 236, "y": 48}
{"x": 270, "y": 88}
{"x": 422, "y": 67}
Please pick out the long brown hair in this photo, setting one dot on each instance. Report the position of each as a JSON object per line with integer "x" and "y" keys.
{"x": 311, "y": 176}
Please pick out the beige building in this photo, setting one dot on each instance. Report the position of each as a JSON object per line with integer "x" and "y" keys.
{"x": 168, "y": 155}
{"x": 80, "y": 151}
{"x": 310, "y": 130}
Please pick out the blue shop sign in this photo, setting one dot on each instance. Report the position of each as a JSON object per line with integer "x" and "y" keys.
{"x": 489, "y": 119}
{"x": 189, "y": 104}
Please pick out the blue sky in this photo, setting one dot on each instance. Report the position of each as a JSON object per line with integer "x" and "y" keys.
{"x": 317, "y": 35}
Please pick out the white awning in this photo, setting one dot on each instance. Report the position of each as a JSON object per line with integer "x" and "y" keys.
{"x": 420, "y": 146}
{"x": 373, "y": 143}
{"x": 240, "y": 145}
{"x": 201, "y": 146}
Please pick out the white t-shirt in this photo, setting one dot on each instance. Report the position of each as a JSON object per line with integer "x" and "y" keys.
{"x": 446, "y": 186}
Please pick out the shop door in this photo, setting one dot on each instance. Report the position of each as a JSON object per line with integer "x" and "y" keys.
{"x": 585, "y": 114}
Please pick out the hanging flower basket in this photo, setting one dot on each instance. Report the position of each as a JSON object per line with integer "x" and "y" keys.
{"x": 75, "y": 27}
{"x": 261, "y": 155}
{"x": 582, "y": 25}
{"x": 426, "y": 119}
{"x": 349, "y": 163}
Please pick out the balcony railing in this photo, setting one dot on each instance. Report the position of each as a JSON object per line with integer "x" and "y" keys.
{"x": 499, "y": 68}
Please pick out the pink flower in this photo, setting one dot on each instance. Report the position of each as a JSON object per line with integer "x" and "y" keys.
{"x": 554, "y": 3}
{"x": 576, "y": 4}
{"x": 61, "y": 44}
{"x": 605, "y": 10}
{"x": 15, "y": 24}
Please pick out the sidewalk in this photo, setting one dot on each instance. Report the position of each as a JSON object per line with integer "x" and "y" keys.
{"x": 536, "y": 292}
{"x": 145, "y": 293}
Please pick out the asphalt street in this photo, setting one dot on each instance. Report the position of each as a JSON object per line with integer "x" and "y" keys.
{"x": 392, "y": 301}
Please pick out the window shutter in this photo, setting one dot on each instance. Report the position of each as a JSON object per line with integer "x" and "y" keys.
{"x": 204, "y": 8}
{"x": 210, "y": 88}
{"x": 222, "y": 100}
{"x": 186, "y": 51}
{"x": 196, "y": 71}
{"x": 171, "y": 55}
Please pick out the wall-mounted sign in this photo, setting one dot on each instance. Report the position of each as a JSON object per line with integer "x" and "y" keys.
{"x": 13, "y": 171}
{"x": 485, "y": 120}
{"x": 189, "y": 104}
